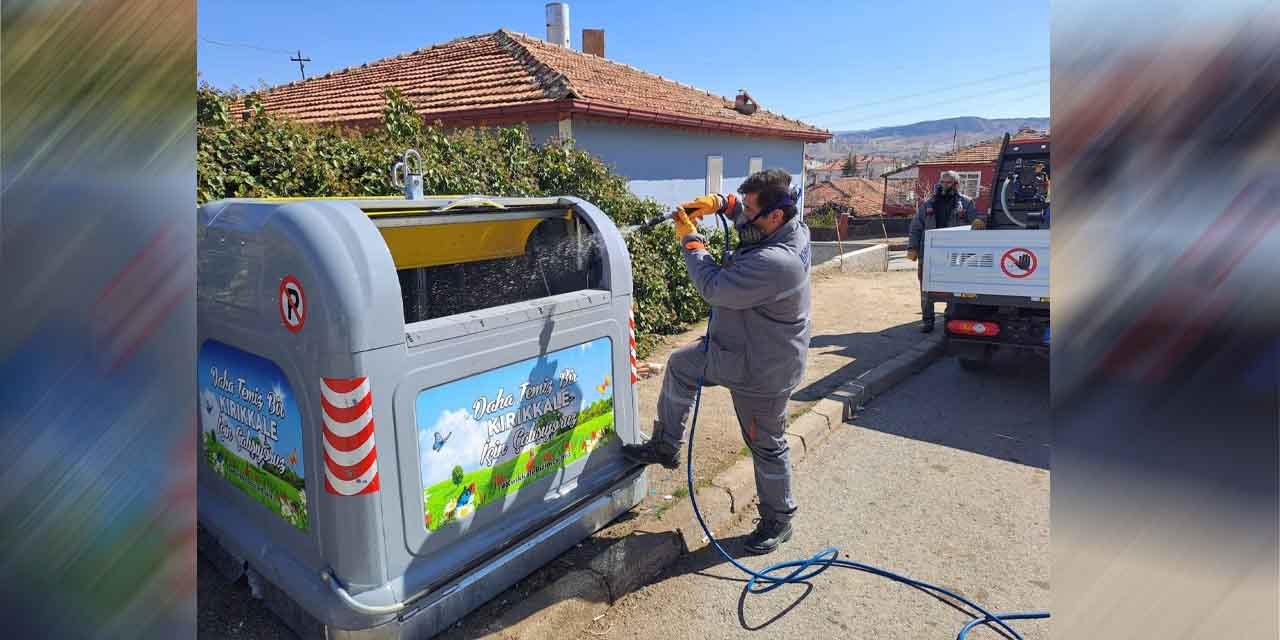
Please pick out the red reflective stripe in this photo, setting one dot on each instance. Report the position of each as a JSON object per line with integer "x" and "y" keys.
{"x": 354, "y": 471}
{"x": 351, "y": 442}
{"x": 343, "y": 385}
{"x": 347, "y": 414}
{"x": 372, "y": 487}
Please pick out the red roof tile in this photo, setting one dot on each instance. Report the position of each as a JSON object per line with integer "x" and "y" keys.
{"x": 1029, "y": 135}
{"x": 863, "y": 195}
{"x": 978, "y": 152}
{"x": 507, "y": 76}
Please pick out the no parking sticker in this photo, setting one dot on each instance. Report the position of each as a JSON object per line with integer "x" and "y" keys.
{"x": 1018, "y": 263}
{"x": 293, "y": 306}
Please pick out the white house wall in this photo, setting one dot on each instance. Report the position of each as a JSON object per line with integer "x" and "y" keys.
{"x": 670, "y": 165}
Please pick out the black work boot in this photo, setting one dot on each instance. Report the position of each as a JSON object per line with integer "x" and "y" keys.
{"x": 653, "y": 452}
{"x": 767, "y": 536}
{"x": 926, "y": 326}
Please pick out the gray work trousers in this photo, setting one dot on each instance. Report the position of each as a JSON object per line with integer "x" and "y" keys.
{"x": 763, "y": 421}
{"x": 926, "y": 306}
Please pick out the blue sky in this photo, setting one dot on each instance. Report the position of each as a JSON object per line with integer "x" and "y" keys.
{"x": 448, "y": 408}
{"x": 838, "y": 65}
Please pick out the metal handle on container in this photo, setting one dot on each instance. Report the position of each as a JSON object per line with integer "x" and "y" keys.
{"x": 372, "y": 610}
{"x": 404, "y": 176}
{"x": 473, "y": 201}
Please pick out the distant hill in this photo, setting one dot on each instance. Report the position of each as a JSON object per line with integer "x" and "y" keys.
{"x": 921, "y": 139}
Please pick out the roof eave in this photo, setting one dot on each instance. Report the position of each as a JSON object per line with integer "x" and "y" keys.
{"x": 559, "y": 109}
{"x": 612, "y": 111}
{"x": 934, "y": 163}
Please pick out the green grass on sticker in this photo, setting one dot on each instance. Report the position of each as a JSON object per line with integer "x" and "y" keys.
{"x": 253, "y": 481}
{"x": 513, "y": 472}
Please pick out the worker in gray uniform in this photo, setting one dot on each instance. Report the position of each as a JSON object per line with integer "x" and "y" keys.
{"x": 758, "y": 339}
{"x": 947, "y": 207}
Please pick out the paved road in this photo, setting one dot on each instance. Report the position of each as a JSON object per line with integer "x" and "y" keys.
{"x": 944, "y": 478}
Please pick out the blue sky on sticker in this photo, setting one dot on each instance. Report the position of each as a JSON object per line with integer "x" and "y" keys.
{"x": 448, "y": 408}
{"x": 259, "y": 373}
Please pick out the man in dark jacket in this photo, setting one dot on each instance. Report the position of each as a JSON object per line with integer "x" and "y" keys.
{"x": 758, "y": 339}
{"x": 947, "y": 207}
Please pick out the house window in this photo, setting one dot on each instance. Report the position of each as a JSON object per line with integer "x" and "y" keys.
{"x": 756, "y": 163}
{"x": 715, "y": 172}
{"x": 970, "y": 182}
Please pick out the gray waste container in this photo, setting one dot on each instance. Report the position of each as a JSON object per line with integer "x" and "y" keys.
{"x": 408, "y": 405}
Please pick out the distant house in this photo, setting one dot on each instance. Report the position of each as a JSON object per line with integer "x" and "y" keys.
{"x": 976, "y": 164}
{"x": 828, "y": 170}
{"x": 861, "y": 197}
{"x": 902, "y": 191}
{"x": 671, "y": 141}
{"x": 866, "y": 167}
{"x": 904, "y": 188}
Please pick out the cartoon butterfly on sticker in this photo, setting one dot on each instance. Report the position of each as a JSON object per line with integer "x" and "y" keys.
{"x": 440, "y": 440}
{"x": 604, "y": 385}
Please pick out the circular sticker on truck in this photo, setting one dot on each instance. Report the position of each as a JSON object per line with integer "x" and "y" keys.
{"x": 1018, "y": 263}
{"x": 293, "y": 305}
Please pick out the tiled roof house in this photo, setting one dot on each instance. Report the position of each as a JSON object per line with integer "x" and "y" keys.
{"x": 863, "y": 196}
{"x": 673, "y": 141}
{"x": 975, "y": 163}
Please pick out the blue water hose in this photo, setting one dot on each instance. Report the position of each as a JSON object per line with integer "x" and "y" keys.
{"x": 800, "y": 571}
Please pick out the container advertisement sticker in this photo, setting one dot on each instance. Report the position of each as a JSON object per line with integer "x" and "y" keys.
{"x": 251, "y": 431}
{"x": 483, "y": 437}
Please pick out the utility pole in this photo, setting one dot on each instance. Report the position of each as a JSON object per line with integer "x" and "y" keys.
{"x": 955, "y": 132}
{"x": 301, "y": 69}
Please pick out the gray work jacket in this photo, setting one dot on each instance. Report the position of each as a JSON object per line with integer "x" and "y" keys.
{"x": 759, "y": 310}
{"x": 964, "y": 213}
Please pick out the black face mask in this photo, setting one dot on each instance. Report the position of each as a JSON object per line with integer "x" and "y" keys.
{"x": 947, "y": 190}
{"x": 748, "y": 232}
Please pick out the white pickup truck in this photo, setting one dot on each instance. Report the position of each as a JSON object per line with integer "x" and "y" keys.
{"x": 996, "y": 282}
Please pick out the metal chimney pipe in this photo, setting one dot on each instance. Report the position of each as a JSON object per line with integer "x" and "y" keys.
{"x": 558, "y": 23}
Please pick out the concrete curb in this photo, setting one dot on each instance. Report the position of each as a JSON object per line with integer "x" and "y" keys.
{"x": 874, "y": 258}
{"x": 567, "y": 606}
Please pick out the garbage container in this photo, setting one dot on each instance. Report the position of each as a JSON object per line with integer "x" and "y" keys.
{"x": 408, "y": 405}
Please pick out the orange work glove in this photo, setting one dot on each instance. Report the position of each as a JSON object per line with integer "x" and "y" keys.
{"x": 683, "y": 225}
{"x": 704, "y": 205}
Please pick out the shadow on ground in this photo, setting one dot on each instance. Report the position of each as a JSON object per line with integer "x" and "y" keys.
{"x": 863, "y": 350}
{"x": 1001, "y": 412}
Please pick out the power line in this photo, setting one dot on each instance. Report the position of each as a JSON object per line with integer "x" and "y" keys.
{"x": 244, "y": 46}
{"x": 846, "y": 123}
{"x": 931, "y": 92}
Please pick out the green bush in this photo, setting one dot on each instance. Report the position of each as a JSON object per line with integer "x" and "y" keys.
{"x": 825, "y": 215}
{"x": 268, "y": 156}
